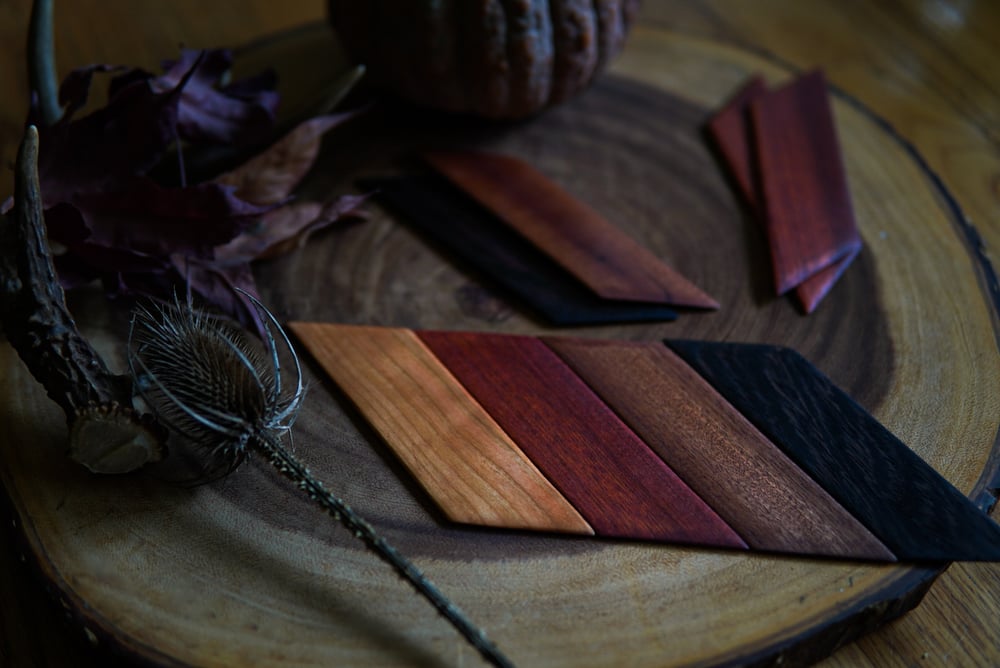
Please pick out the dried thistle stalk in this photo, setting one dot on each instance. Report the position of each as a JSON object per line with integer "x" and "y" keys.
{"x": 205, "y": 381}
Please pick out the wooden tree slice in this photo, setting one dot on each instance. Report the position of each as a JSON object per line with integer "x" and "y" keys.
{"x": 246, "y": 572}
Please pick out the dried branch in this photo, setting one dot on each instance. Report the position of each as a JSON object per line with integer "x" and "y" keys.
{"x": 106, "y": 434}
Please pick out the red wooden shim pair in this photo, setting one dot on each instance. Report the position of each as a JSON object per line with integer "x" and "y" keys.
{"x": 572, "y": 234}
{"x": 781, "y": 149}
{"x": 615, "y": 480}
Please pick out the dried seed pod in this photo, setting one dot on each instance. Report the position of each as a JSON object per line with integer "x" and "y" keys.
{"x": 210, "y": 384}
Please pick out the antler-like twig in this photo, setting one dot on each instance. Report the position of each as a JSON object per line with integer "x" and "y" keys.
{"x": 107, "y": 435}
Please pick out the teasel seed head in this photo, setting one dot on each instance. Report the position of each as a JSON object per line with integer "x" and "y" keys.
{"x": 207, "y": 382}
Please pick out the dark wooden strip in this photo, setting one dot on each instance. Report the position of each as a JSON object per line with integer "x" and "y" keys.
{"x": 807, "y": 206}
{"x": 466, "y": 230}
{"x": 902, "y": 500}
{"x": 468, "y": 465}
{"x": 731, "y": 131}
{"x": 616, "y": 482}
{"x": 578, "y": 238}
{"x": 744, "y": 477}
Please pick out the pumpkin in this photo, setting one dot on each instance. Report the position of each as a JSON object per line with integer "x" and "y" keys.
{"x": 496, "y": 58}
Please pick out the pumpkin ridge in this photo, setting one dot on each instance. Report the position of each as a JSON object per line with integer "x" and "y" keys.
{"x": 491, "y": 85}
{"x": 553, "y": 10}
{"x": 464, "y": 82}
{"x": 448, "y": 76}
{"x": 517, "y": 13}
{"x": 611, "y": 18}
{"x": 510, "y": 13}
{"x": 574, "y": 42}
{"x": 529, "y": 51}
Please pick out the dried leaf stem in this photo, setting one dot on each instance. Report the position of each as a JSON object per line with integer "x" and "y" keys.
{"x": 106, "y": 433}
{"x": 206, "y": 382}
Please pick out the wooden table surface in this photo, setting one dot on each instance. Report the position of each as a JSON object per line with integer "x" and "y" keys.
{"x": 927, "y": 66}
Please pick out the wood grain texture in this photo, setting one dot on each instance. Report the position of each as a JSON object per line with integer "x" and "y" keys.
{"x": 576, "y": 236}
{"x": 464, "y": 460}
{"x": 449, "y": 218}
{"x": 616, "y": 482}
{"x": 744, "y": 477}
{"x": 732, "y": 134}
{"x": 803, "y": 187}
{"x": 918, "y": 514}
{"x": 241, "y": 572}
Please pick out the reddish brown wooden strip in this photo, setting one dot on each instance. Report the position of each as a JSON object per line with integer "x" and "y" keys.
{"x": 454, "y": 449}
{"x": 616, "y": 482}
{"x": 811, "y": 291}
{"x": 749, "y": 482}
{"x": 731, "y": 131}
{"x": 810, "y": 221}
{"x": 439, "y": 210}
{"x": 578, "y": 238}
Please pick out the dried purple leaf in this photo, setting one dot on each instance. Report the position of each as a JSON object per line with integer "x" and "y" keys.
{"x": 149, "y": 218}
{"x": 288, "y": 227}
{"x": 75, "y": 88}
{"x": 139, "y": 237}
{"x": 107, "y": 147}
{"x": 237, "y": 114}
{"x": 273, "y": 174}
